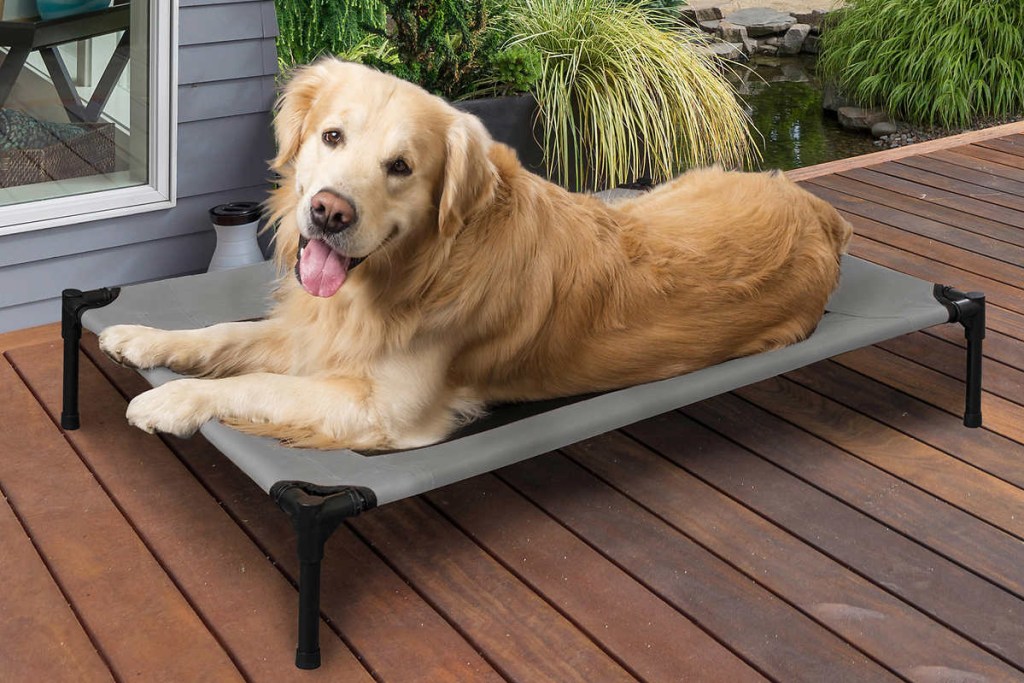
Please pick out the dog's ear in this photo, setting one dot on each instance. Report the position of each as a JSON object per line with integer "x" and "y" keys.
{"x": 291, "y": 109}
{"x": 469, "y": 175}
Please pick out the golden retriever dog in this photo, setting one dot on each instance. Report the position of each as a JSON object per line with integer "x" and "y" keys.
{"x": 426, "y": 274}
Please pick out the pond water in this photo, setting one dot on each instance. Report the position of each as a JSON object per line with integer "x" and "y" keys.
{"x": 783, "y": 98}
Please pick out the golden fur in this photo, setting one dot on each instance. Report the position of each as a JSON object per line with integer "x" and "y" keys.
{"x": 483, "y": 282}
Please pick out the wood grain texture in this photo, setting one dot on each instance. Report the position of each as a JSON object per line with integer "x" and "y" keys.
{"x": 392, "y": 629}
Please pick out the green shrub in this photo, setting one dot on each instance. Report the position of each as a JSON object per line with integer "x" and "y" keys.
{"x": 620, "y": 97}
{"x": 943, "y": 62}
{"x": 308, "y": 29}
{"x": 453, "y": 48}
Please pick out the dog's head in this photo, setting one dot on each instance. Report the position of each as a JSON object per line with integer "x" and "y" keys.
{"x": 371, "y": 162}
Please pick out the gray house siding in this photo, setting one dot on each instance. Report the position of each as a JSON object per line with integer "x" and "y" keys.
{"x": 226, "y": 68}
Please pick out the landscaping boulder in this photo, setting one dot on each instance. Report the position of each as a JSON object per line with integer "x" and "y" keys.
{"x": 857, "y": 118}
{"x": 706, "y": 10}
{"x": 729, "y": 51}
{"x": 710, "y": 25}
{"x": 731, "y": 33}
{"x": 883, "y": 128}
{"x": 760, "y": 21}
{"x": 832, "y": 98}
{"x": 793, "y": 41}
{"x": 812, "y": 44}
{"x": 813, "y": 19}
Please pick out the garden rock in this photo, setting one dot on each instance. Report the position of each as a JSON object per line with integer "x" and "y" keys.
{"x": 793, "y": 41}
{"x": 883, "y": 128}
{"x": 814, "y": 19}
{"x": 731, "y": 33}
{"x": 710, "y": 25}
{"x": 749, "y": 45}
{"x": 856, "y": 118}
{"x": 707, "y": 10}
{"x": 729, "y": 51}
{"x": 760, "y": 21}
{"x": 812, "y": 44}
{"x": 832, "y": 99}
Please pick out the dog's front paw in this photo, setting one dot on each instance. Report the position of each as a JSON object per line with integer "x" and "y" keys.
{"x": 133, "y": 346}
{"x": 180, "y": 407}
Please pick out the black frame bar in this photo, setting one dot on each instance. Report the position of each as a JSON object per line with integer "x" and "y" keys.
{"x": 968, "y": 309}
{"x": 74, "y": 303}
{"x": 316, "y": 512}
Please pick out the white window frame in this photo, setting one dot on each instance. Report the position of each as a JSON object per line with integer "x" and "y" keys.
{"x": 160, "y": 190}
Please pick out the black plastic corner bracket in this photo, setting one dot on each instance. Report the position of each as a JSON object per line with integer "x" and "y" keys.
{"x": 316, "y": 512}
{"x": 968, "y": 309}
{"x": 74, "y": 304}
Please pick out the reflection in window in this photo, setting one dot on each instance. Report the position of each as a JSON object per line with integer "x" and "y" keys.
{"x": 73, "y": 101}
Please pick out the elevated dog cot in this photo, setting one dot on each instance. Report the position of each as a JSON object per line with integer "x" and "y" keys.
{"x": 320, "y": 489}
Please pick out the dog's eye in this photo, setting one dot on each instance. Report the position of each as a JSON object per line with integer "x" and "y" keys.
{"x": 331, "y": 137}
{"x": 399, "y": 167}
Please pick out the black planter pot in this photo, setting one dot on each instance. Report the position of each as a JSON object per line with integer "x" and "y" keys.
{"x": 511, "y": 120}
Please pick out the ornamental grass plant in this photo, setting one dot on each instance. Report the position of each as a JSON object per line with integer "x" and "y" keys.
{"x": 933, "y": 62}
{"x": 620, "y": 97}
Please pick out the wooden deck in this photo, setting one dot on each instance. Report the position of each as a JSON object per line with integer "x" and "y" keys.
{"x": 835, "y": 524}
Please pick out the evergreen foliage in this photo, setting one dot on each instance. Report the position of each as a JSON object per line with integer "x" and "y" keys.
{"x": 939, "y": 62}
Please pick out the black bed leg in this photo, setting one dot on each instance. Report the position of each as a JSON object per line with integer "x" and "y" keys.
{"x": 74, "y": 303}
{"x": 968, "y": 309}
{"x": 974, "y": 330}
{"x": 316, "y": 512}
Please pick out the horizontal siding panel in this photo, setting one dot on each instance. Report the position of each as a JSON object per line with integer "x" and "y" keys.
{"x": 219, "y": 154}
{"x": 141, "y": 262}
{"x": 29, "y": 315}
{"x": 226, "y": 61}
{"x": 200, "y": 101}
{"x": 220, "y": 23}
{"x": 189, "y": 216}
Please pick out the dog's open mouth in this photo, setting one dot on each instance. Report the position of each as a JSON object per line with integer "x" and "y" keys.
{"x": 320, "y": 270}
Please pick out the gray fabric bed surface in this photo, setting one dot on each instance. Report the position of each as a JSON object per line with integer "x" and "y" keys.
{"x": 872, "y": 304}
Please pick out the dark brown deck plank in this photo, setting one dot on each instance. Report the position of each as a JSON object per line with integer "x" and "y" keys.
{"x": 145, "y": 627}
{"x": 893, "y": 208}
{"x": 525, "y": 637}
{"x": 730, "y": 606}
{"x": 984, "y": 496}
{"x": 998, "y": 346}
{"x": 976, "y": 174}
{"x": 992, "y": 156}
{"x": 909, "y": 377}
{"x": 29, "y": 336}
{"x": 899, "y": 505}
{"x": 1000, "y": 380}
{"x": 393, "y": 630}
{"x": 959, "y": 158}
{"x": 42, "y": 639}
{"x": 924, "y": 172}
{"x": 975, "y": 608}
{"x": 981, "y": 448}
{"x": 212, "y": 562}
{"x": 945, "y": 199}
{"x": 1008, "y": 145}
{"x": 999, "y": 295}
{"x": 899, "y": 635}
{"x": 1004, "y": 269}
{"x": 651, "y": 638}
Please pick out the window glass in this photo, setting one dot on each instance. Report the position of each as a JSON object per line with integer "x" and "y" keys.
{"x": 74, "y": 101}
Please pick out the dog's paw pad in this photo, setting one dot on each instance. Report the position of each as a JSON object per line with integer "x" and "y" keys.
{"x": 177, "y": 407}
{"x": 129, "y": 345}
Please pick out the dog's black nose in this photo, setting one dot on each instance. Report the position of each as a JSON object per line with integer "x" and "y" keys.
{"x": 330, "y": 212}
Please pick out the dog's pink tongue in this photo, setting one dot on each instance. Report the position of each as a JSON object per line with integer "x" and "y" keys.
{"x": 322, "y": 270}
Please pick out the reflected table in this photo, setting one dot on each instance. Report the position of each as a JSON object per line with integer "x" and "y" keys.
{"x": 22, "y": 36}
